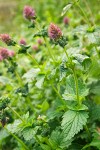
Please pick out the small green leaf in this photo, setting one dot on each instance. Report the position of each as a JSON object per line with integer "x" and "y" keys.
{"x": 28, "y": 133}
{"x": 31, "y": 74}
{"x": 66, "y": 8}
{"x": 45, "y": 106}
{"x": 40, "y": 80}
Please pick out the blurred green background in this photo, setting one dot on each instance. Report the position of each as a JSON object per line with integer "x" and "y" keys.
{"x": 11, "y": 19}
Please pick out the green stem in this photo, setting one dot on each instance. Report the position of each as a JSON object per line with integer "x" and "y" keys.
{"x": 33, "y": 59}
{"x": 89, "y": 9}
{"x": 17, "y": 138}
{"x": 57, "y": 93}
{"x": 19, "y": 78}
{"x": 16, "y": 114}
{"x": 88, "y": 132}
{"x": 49, "y": 51}
{"x": 69, "y": 58}
{"x": 66, "y": 52}
{"x": 86, "y": 18}
{"x": 87, "y": 21}
{"x": 76, "y": 85}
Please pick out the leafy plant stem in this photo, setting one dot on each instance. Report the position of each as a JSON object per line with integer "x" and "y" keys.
{"x": 18, "y": 77}
{"x": 85, "y": 16}
{"x": 76, "y": 86}
{"x": 69, "y": 59}
{"x": 16, "y": 113}
{"x": 57, "y": 93}
{"x": 33, "y": 60}
{"x": 89, "y": 10}
{"x": 49, "y": 51}
{"x": 17, "y": 138}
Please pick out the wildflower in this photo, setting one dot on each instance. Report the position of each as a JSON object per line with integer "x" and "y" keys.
{"x": 54, "y": 32}
{"x": 22, "y": 42}
{"x": 7, "y": 39}
{"x": 5, "y": 53}
{"x": 29, "y": 12}
{"x": 35, "y": 47}
{"x": 40, "y": 41}
{"x": 66, "y": 20}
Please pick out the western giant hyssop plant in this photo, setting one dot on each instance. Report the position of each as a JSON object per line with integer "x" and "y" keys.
{"x": 50, "y": 81}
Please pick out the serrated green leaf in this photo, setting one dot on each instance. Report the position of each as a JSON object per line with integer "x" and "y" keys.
{"x": 31, "y": 74}
{"x": 73, "y": 122}
{"x": 28, "y": 133}
{"x": 95, "y": 113}
{"x": 4, "y": 80}
{"x": 80, "y": 58}
{"x": 40, "y": 80}
{"x": 15, "y": 127}
{"x": 57, "y": 140}
{"x": 70, "y": 91}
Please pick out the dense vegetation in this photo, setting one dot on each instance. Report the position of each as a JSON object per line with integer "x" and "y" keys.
{"x": 50, "y": 76}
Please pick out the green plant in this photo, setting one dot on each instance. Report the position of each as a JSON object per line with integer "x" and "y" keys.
{"x": 50, "y": 96}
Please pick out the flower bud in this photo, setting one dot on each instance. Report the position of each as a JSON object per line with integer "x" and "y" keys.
{"x": 54, "y": 32}
{"x": 7, "y": 39}
{"x": 22, "y": 42}
{"x": 5, "y": 53}
{"x": 66, "y": 20}
{"x": 29, "y": 13}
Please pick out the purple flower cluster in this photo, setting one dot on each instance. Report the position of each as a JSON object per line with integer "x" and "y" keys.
{"x": 28, "y": 13}
{"x": 5, "y": 38}
{"x": 54, "y": 32}
{"x": 22, "y": 42}
{"x": 5, "y": 53}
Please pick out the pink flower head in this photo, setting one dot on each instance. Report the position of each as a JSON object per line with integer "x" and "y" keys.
{"x": 40, "y": 41}
{"x": 5, "y": 38}
{"x": 11, "y": 53}
{"x": 54, "y": 32}
{"x": 35, "y": 47}
{"x": 66, "y": 20}
{"x": 29, "y": 12}
{"x": 22, "y": 42}
{"x": 4, "y": 53}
